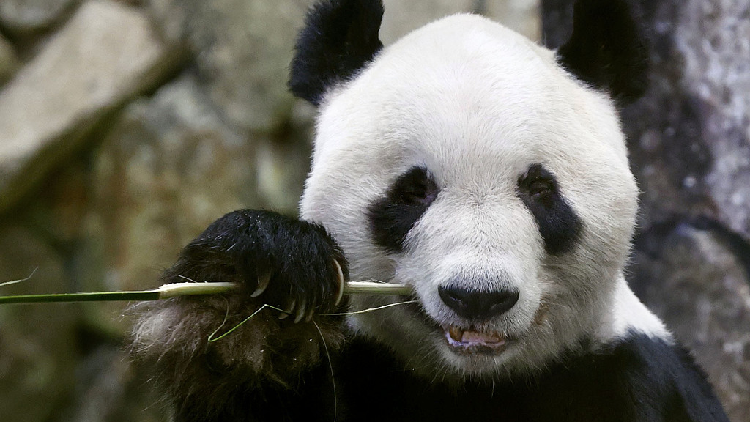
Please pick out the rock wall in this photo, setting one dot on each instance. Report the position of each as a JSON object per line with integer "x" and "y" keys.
{"x": 126, "y": 127}
{"x": 690, "y": 151}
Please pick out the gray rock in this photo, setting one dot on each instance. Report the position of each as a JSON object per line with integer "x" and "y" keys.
{"x": 110, "y": 390}
{"x": 402, "y": 17}
{"x": 106, "y": 54}
{"x": 690, "y": 137}
{"x": 712, "y": 41}
{"x": 8, "y": 61}
{"x": 283, "y": 161}
{"x": 521, "y": 16}
{"x": 26, "y": 16}
{"x": 703, "y": 295}
{"x": 242, "y": 51}
{"x": 169, "y": 167}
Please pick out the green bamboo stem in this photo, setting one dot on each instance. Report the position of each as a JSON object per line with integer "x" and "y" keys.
{"x": 80, "y": 297}
{"x": 189, "y": 289}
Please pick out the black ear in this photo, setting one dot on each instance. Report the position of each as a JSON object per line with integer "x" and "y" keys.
{"x": 607, "y": 48}
{"x": 339, "y": 38}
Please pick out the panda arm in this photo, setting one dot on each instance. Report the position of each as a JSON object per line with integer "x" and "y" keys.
{"x": 268, "y": 368}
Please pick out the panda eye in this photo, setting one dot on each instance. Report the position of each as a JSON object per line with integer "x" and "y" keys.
{"x": 557, "y": 221}
{"x": 393, "y": 215}
{"x": 415, "y": 187}
{"x": 416, "y": 191}
{"x": 541, "y": 187}
{"x": 537, "y": 183}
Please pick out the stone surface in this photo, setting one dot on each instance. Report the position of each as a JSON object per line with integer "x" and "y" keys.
{"x": 106, "y": 54}
{"x": 25, "y": 16}
{"x": 521, "y": 16}
{"x": 707, "y": 305}
{"x": 690, "y": 151}
{"x": 37, "y": 351}
{"x": 242, "y": 52}
{"x": 402, "y": 17}
{"x": 712, "y": 39}
{"x": 109, "y": 390}
{"x": 169, "y": 167}
{"x": 8, "y": 60}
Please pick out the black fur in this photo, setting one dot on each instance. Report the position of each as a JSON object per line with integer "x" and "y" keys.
{"x": 246, "y": 245}
{"x": 339, "y": 38}
{"x": 246, "y": 402}
{"x": 266, "y": 369}
{"x": 607, "y": 48}
{"x": 638, "y": 379}
{"x": 558, "y": 223}
{"x": 392, "y": 216}
{"x": 261, "y": 366}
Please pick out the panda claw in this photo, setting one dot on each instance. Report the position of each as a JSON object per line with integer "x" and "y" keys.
{"x": 263, "y": 281}
{"x": 300, "y": 313}
{"x": 288, "y": 311}
{"x": 310, "y": 314}
{"x": 341, "y": 283}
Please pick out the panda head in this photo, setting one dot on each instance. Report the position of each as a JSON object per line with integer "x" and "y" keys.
{"x": 486, "y": 171}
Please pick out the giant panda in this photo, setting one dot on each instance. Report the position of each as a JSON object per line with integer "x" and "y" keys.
{"x": 487, "y": 172}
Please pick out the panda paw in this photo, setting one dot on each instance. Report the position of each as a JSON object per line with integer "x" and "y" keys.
{"x": 293, "y": 265}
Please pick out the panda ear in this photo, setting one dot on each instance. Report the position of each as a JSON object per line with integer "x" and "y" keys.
{"x": 339, "y": 38}
{"x": 607, "y": 48}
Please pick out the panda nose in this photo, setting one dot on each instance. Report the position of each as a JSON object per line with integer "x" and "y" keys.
{"x": 475, "y": 304}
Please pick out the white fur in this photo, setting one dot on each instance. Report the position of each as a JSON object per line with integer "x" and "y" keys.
{"x": 476, "y": 104}
{"x": 630, "y": 314}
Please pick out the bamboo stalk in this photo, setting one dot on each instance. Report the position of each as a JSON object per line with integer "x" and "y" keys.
{"x": 81, "y": 297}
{"x": 190, "y": 289}
{"x": 374, "y": 288}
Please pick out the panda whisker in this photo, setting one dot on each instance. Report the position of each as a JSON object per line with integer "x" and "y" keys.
{"x": 226, "y": 316}
{"x": 330, "y": 366}
{"x": 212, "y": 338}
{"x": 376, "y": 308}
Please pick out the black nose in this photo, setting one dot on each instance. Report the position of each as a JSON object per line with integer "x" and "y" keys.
{"x": 475, "y": 304}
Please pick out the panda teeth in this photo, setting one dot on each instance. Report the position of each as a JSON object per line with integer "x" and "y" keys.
{"x": 456, "y": 333}
{"x": 469, "y": 337}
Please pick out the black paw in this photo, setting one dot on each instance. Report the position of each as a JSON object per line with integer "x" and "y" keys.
{"x": 287, "y": 263}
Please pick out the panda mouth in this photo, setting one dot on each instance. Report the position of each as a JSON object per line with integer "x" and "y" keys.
{"x": 471, "y": 340}
{"x": 467, "y": 340}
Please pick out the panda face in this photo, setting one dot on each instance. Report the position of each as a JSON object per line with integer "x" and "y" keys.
{"x": 466, "y": 162}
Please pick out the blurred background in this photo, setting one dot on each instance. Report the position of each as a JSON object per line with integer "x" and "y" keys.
{"x": 126, "y": 127}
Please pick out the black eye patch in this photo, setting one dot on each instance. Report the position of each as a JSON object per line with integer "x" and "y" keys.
{"x": 392, "y": 216}
{"x": 558, "y": 223}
